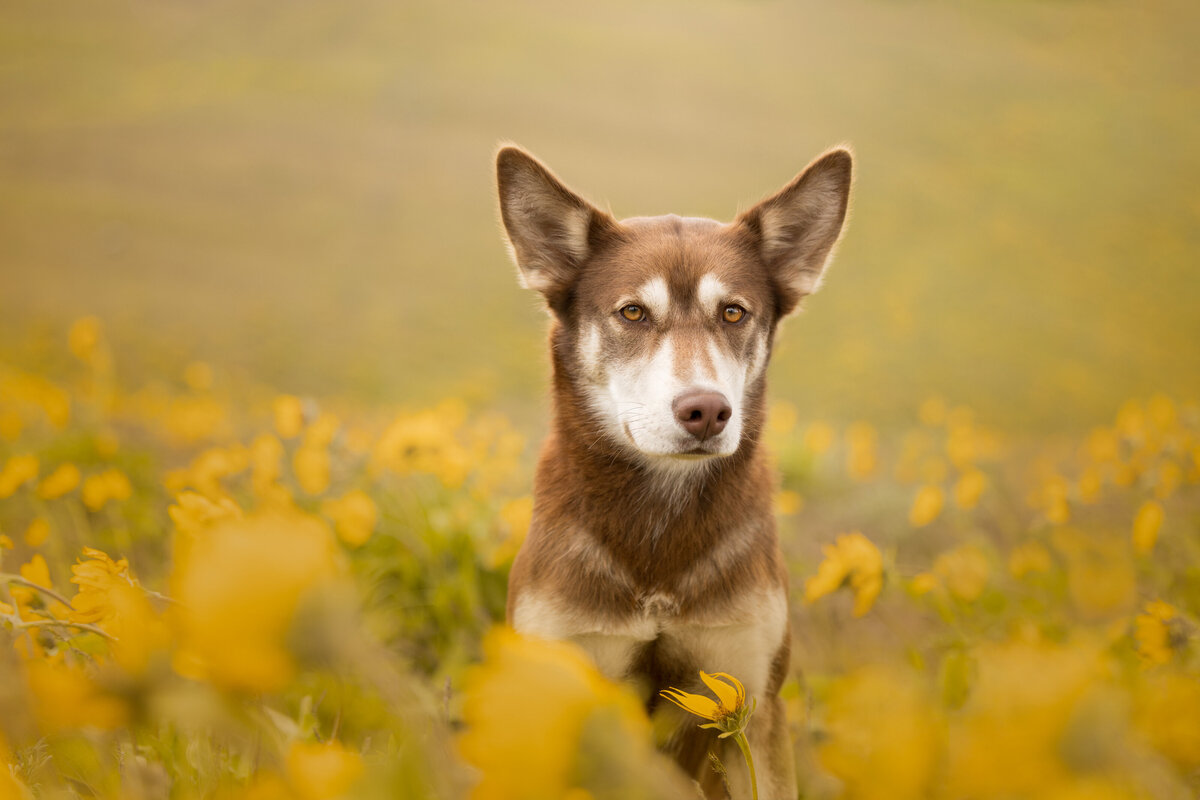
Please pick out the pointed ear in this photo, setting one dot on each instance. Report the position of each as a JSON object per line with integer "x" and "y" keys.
{"x": 551, "y": 229}
{"x": 797, "y": 228}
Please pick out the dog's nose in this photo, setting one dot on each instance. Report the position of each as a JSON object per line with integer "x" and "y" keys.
{"x": 702, "y": 414}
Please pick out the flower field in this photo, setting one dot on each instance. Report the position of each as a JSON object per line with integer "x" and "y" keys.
{"x": 212, "y": 588}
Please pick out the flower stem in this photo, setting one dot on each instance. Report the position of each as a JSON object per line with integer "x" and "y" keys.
{"x": 740, "y": 738}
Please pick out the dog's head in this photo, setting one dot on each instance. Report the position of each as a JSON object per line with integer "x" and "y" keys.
{"x": 665, "y": 324}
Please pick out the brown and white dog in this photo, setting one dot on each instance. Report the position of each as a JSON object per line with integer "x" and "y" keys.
{"x": 653, "y": 543}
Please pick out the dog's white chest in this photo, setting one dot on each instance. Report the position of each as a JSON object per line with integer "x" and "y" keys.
{"x": 740, "y": 638}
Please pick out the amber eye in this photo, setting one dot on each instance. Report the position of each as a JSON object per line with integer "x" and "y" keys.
{"x": 633, "y": 313}
{"x": 733, "y": 314}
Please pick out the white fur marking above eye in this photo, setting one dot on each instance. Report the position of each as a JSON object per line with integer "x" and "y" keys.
{"x": 710, "y": 292}
{"x": 655, "y": 296}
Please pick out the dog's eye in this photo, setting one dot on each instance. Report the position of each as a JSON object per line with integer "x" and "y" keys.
{"x": 633, "y": 313}
{"x": 733, "y": 314}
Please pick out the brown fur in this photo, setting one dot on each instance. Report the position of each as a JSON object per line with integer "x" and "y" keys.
{"x": 612, "y": 540}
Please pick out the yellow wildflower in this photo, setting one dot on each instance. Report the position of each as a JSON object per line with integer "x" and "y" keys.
{"x": 964, "y": 570}
{"x": 1170, "y": 475}
{"x": 354, "y": 516}
{"x": 99, "y": 489}
{"x": 923, "y": 583}
{"x": 1029, "y": 557}
{"x": 60, "y": 482}
{"x": 1089, "y": 485}
{"x": 525, "y": 709}
{"x": 195, "y": 512}
{"x": 18, "y": 471}
{"x": 927, "y": 505}
{"x": 311, "y": 465}
{"x": 266, "y": 452}
{"x": 818, "y": 438}
{"x": 1152, "y": 633}
{"x": 852, "y": 557}
{"x": 881, "y": 736}
{"x": 862, "y": 458}
{"x": 65, "y": 698}
{"x": 1165, "y": 713}
{"x": 238, "y": 587}
{"x": 729, "y": 713}
{"x": 1100, "y": 573}
{"x": 968, "y": 488}
{"x": 6, "y": 542}
{"x": 86, "y": 341}
{"x": 37, "y": 532}
{"x": 289, "y": 416}
{"x": 1146, "y": 525}
{"x": 109, "y": 597}
{"x": 322, "y": 771}
{"x": 788, "y": 502}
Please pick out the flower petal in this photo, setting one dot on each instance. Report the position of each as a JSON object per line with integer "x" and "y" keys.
{"x": 731, "y": 693}
{"x": 696, "y": 704}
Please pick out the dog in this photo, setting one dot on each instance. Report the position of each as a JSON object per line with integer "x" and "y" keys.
{"x": 653, "y": 542}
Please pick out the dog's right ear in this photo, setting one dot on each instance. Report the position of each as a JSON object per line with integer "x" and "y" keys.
{"x": 551, "y": 229}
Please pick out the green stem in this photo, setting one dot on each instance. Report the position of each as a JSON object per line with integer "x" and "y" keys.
{"x": 744, "y": 745}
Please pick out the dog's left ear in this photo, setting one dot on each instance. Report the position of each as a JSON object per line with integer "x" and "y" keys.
{"x": 797, "y": 227}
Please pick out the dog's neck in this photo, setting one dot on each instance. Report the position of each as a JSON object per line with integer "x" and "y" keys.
{"x": 658, "y": 518}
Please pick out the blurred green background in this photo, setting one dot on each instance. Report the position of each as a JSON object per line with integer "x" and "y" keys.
{"x": 303, "y": 191}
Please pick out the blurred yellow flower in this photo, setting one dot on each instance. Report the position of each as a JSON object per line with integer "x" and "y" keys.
{"x": 311, "y": 465}
{"x": 18, "y": 471}
{"x": 932, "y": 411}
{"x": 1152, "y": 633}
{"x": 11, "y": 424}
{"x": 927, "y": 505}
{"x": 1170, "y": 475}
{"x": 1029, "y": 557}
{"x": 6, "y": 542}
{"x": 1089, "y": 485}
{"x": 109, "y": 597}
{"x": 964, "y": 571}
{"x": 1167, "y": 705}
{"x": 862, "y": 456}
{"x": 322, "y": 771}
{"x": 266, "y": 455}
{"x": 881, "y": 736}
{"x": 427, "y": 441}
{"x": 37, "y": 532}
{"x": 238, "y": 587}
{"x": 788, "y": 502}
{"x": 99, "y": 489}
{"x": 782, "y": 419}
{"x": 60, "y": 482}
{"x": 1101, "y": 581}
{"x": 525, "y": 709}
{"x": 818, "y": 438}
{"x": 851, "y": 557}
{"x": 969, "y": 487}
{"x": 193, "y": 512}
{"x": 289, "y": 416}
{"x": 1146, "y": 525}
{"x": 64, "y": 697}
{"x": 354, "y": 516}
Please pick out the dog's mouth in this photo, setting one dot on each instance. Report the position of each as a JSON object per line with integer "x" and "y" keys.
{"x": 686, "y": 450}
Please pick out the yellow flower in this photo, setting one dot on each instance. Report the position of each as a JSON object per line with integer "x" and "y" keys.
{"x": 238, "y": 586}
{"x": 788, "y": 502}
{"x": 195, "y": 512}
{"x": 319, "y": 771}
{"x": 968, "y": 488}
{"x": 964, "y": 570}
{"x": 1165, "y": 713}
{"x": 60, "y": 482}
{"x": 37, "y": 532}
{"x": 927, "y": 505}
{"x": 1152, "y": 633}
{"x": 818, "y": 438}
{"x": 86, "y": 340}
{"x": 109, "y": 597}
{"x": 6, "y": 542}
{"x": 99, "y": 489}
{"x": 354, "y": 516}
{"x": 18, "y": 471}
{"x": 266, "y": 452}
{"x": 525, "y": 709}
{"x": 881, "y": 735}
{"x": 1029, "y": 557}
{"x": 289, "y": 416}
{"x": 1146, "y": 525}
{"x": 728, "y": 713}
{"x": 311, "y": 465}
{"x": 198, "y": 376}
{"x": 852, "y": 557}
{"x": 64, "y": 697}
{"x": 862, "y": 459}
